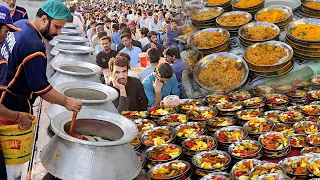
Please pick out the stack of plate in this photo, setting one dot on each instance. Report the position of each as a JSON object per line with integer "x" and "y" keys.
{"x": 224, "y": 138}
{"x": 222, "y": 47}
{"x": 246, "y": 36}
{"x": 250, "y": 9}
{"x": 283, "y": 66}
{"x": 206, "y": 23}
{"x": 238, "y": 154}
{"x": 304, "y": 49}
{"x": 226, "y": 5}
{"x": 308, "y": 8}
{"x": 283, "y": 149}
{"x": 232, "y": 26}
{"x": 298, "y": 97}
{"x": 282, "y": 23}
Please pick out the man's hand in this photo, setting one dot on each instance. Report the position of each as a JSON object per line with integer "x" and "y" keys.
{"x": 116, "y": 84}
{"x": 157, "y": 85}
{"x": 24, "y": 121}
{"x": 73, "y": 104}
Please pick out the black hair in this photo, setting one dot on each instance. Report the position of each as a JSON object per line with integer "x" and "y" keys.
{"x": 125, "y": 35}
{"x": 144, "y": 31}
{"x": 172, "y": 51}
{"x": 154, "y": 55}
{"x": 41, "y": 13}
{"x": 151, "y": 33}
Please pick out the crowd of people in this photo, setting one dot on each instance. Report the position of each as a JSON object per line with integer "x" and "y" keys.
{"x": 119, "y": 33}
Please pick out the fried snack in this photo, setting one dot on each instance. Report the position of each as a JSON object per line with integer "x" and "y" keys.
{"x": 272, "y": 16}
{"x": 222, "y": 73}
{"x": 205, "y": 15}
{"x": 265, "y": 54}
{"x": 207, "y": 40}
{"x": 259, "y": 33}
{"x": 233, "y": 20}
{"x": 306, "y": 32}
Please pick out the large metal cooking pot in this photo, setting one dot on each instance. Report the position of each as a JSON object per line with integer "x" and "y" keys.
{"x": 70, "y": 158}
{"x": 64, "y": 39}
{"x": 93, "y": 96}
{"x": 71, "y": 49}
{"x": 71, "y": 32}
{"x": 70, "y": 71}
{"x": 70, "y": 26}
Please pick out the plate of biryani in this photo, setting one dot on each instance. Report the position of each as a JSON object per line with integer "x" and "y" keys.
{"x": 209, "y": 38}
{"x": 304, "y": 30}
{"x": 206, "y": 14}
{"x": 245, "y": 4}
{"x": 221, "y": 72}
{"x": 258, "y": 32}
{"x": 233, "y": 19}
{"x": 274, "y": 14}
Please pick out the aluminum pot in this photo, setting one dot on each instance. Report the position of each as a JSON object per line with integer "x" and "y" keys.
{"x": 93, "y": 96}
{"x": 71, "y": 32}
{"x": 64, "y": 39}
{"x": 71, "y": 49}
{"x": 70, "y": 71}
{"x": 70, "y": 158}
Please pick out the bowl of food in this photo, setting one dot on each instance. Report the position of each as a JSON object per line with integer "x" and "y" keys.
{"x": 262, "y": 90}
{"x": 253, "y": 102}
{"x": 239, "y": 95}
{"x": 258, "y": 126}
{"x": 202, "y": 113}
{"x": 298, "y": 140}
{"x": 217, "y": 176}
{"x": 297, "y": 94}
{"x": 158, "y": 135}
{"x": 268, "y": 56}
{"x": 311, "y": 110}
{"x": 209, "y": 38}
{"x": 214, "y": 99}
{"x": 286, "y": 129}
{"x": 314, "y": 94}
{"x": 218, "y": 122}
{"x": 314, "y": 166}
{"x": 295, "y": 108}
{"x": 272, "y": 115}
{"x": 212, "y": 160}
{"x": 136, "y": 143}
{"x": 177, "y": 169}
{"x": 277, "y": 99}
{"x": 214, "y": 3}
{"x": 290, "y": 117}
{"x": 315, "y": 80}
{"x": 229, "y": 108}
{"x": 159, "y": 111}
{"x": 274, "y": 141}
{"x": 306, "y": 127}
{"x": 163, "y": 153}
{"x": 172, "y": 120}
{"x": 241, "y": 170}
{"x": 230, "y": 134}
{"x": 265, "y": 168}
{"x": 221, "y": 72}
{"x": 247, "y": 4}
{"x": 314, "y": 139}
{"x": 206, "y": 14}
{"x": 277, "y": 14}
{"x": 135, "y": 114}
{"x": 304, "y": 30}
{"x": 300, "y": 83}
{"x": 247, "y": 114}
{"x": 245, "y": 149}
{"x": 258, "y": 32}
{"x": 196, "y": 144}
{"x": 233, "y": 20}
{"x": 143, "y": 125}
{"x": 189, "y": 104}
{"x": 310, "y": 150}
{"x": 274, "y": 176}
{"x": 282, "y": 87}
{"x": 190, "y": 129}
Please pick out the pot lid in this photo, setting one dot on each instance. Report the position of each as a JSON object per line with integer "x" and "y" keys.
{"x": 76, "y": 68}
{"x": 70, "y": 26}
{"x": 127, "y": 126}
{"x": 73, "y": 49}
{"x": 71, "y": 32}
{"x": 97, "y": 90}
{"x": 68, "y": 39}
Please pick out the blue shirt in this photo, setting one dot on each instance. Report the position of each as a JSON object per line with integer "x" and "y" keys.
{"x": 26, "y": 77}
{"x": 146, "y": 72}
{"x": 116, "y": 38}
{"x": 133, "y": 53}
{"x": 4, "y": 55}
{"x": 178, "y": 66}
{"x": 169, "y": 88}
{"x": 172, "y": 35}
{"x": 19, "y": 13}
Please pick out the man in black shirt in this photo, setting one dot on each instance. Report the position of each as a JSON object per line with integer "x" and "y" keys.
{"x": 153, "y": 39}
{"x": 103, "y": 57}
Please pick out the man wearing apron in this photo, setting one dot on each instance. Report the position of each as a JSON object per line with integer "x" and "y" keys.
{"x": 24, "y": 121}
{"x": 26, "y": 78}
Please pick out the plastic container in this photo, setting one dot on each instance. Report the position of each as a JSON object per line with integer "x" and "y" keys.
{"x": 16, "y": 144}
{"x": 143, "y": 59}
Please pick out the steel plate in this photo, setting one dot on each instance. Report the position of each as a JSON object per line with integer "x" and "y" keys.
{"x": 287, "y": 10}
{"x": 247, "y": 15}
{"x": 293, "y": 4}
{"x": 254, "y": 24}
